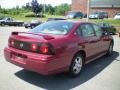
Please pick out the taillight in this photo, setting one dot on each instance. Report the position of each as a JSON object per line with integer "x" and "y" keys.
{"x": 44, "y": 48}
{"x": 11, "y": 42}
{"x": 34, "y": 47}
{"x": 41, "y": 48}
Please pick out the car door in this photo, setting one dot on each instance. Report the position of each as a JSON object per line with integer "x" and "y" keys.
{"x": 90, "y": 41}
{"x": 98, "y": 33}
{"x": 104, "y": 40}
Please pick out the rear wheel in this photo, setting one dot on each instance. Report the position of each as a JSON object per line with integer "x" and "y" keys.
{"x": 76, "y": 65}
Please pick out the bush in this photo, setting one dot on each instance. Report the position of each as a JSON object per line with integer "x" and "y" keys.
{"x": 33, "y": 15}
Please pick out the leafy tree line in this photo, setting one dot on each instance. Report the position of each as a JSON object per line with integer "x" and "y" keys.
{"x": 14, "y": 11}
{"x": 37, "y": 8}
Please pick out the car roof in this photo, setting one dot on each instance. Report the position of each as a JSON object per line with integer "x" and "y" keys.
{"x": 72, "y": 21}
{"x": 50, "y": 19}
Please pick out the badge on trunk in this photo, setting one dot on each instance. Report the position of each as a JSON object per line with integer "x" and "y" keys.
{"x": 21, "y": 45}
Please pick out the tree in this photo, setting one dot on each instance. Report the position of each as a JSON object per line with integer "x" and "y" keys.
{"x": 62, "y": 9}
{"x": 27, "y": 6}
{"x": 49, "y": 9}
{"x": 36, "y": 8}
{"x": 0, "y": 7}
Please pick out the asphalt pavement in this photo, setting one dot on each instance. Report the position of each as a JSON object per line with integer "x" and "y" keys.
{"x": 101, "y": 74}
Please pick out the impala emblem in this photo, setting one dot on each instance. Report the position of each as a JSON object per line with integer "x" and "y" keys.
{"x": 21, "y": 45}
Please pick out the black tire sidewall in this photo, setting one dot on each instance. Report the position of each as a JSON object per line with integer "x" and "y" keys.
{"x": 71, "y": 72}
{"x": 108, "y": 52}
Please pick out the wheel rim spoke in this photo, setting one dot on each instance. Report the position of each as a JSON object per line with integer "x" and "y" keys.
{"x": 77, "y": 65}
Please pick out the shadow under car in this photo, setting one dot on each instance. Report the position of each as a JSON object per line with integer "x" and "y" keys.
{"x": 62, "y": 81}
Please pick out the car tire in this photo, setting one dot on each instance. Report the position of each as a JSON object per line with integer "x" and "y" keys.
{"x": 110, "y": 49}
{"x": 76, "y": 65}
{"x": 32, "y": 26}
{"x": 81, "y": 17}
{"x": 2, "y": 24}
{"x": 26, "y": 27}
{"x": 113, "y": 33}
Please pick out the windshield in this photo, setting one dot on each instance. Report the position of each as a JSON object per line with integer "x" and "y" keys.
{"x": 35, "y": 21}
{"x": 71, "y": 13}
{"x": 53, "y": 27}
{"x": 95, "y": 13}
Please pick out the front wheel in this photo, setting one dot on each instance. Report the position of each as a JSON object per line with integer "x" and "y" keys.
{"x": 110, "y": 49}
{"x": 76, "y": 65}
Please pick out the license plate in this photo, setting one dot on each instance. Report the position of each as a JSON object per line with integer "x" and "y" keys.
{"x": 18, "y": 57}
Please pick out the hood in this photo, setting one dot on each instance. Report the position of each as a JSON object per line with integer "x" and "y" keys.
{"x": 93, "y": 14}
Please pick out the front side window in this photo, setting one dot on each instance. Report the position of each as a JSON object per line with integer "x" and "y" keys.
{"x": 79, "y": 31}
{"x": 87, "y": 30}
{"x": 98, "y": 31}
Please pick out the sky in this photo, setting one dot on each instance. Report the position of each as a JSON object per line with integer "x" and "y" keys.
{"x": 14, "y": 3}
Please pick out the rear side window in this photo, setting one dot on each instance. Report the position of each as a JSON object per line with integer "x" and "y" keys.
{"x": 87, "y": 30}
{"x": 97, "y": 29}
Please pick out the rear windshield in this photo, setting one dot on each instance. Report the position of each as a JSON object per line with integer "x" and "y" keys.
{"x": 53, "y": 27}
{"x": 71, "y": 13}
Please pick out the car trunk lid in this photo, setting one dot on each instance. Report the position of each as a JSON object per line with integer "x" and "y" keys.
{"x": 28, "y": 41}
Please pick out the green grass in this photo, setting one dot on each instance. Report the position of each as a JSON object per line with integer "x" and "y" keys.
{"x": 26, "y": 19}
{"x": 113, "y": 22}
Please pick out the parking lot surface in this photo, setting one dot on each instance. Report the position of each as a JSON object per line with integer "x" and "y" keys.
{"x": 101, "y": 74}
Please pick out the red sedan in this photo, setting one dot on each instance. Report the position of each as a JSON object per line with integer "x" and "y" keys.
{"x": 58, "y": 46}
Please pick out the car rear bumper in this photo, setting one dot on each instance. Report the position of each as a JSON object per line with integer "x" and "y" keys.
{"x": 42, "y": 64}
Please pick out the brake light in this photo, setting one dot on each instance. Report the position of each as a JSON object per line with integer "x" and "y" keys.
{"x": 12, "y": 43}
{"x": 34, "y": 47}
{"x": 14, "y": 33}
{"x": 44, "y": 48}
